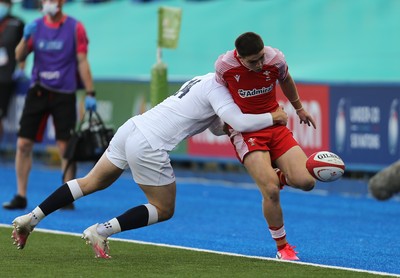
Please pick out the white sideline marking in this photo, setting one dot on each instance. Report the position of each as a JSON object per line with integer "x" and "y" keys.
{"x": 214, "y": 252}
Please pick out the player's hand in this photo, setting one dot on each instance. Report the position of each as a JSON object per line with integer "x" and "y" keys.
{"x": 90, "y": 103}
{"x": 226, "y": 129}
{"x": 305, "y": 118}
{"x": 279, "y": 116}
{"x": 19, "y": 74}
{"x": 29, "y": 30}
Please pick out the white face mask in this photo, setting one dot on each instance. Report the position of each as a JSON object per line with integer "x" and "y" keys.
{"x": 50, "y": 8}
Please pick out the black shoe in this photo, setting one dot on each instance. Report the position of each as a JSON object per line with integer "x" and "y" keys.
{"x": 68, "y": 207}
{"x": 18, "y": 202}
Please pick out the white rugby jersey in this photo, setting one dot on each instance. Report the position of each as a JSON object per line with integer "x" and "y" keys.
{"x": 191, "y": 110}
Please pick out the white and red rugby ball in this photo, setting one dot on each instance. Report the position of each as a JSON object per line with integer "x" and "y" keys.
{"x": 325, "y": 166}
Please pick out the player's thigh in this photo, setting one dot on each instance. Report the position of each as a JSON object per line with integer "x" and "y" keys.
{"x": 149, "y": 166}
{"x": 258, "y": 165}
{"x": 293, "y": 164}
{"x": 116, "y": 151}
{"x": 112, "y": 163}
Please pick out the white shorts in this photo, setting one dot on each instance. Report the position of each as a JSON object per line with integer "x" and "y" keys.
{"x": 130, "y": 148}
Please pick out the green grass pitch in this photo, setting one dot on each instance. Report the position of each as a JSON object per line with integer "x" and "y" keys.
{"x": 60, "y": 255}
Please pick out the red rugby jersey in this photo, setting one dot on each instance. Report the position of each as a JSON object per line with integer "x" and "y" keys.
{"x": 253, "y": 92}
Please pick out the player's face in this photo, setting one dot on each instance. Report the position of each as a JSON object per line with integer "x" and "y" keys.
{"x": 254, "y": 62}
{"x": 52, "y": 8}
{"x": 59, "y": 2}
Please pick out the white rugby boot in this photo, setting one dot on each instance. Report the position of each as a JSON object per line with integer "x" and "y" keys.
{"x": 22, "y": 229}
{"x": 99, "y": 243}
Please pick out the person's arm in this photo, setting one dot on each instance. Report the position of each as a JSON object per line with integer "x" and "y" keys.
{"x": 217, "y": 127}
{"x": 236, "y": 119}
{"x": 290, "y": 91}
{"x": 233, "y": 116}
{"x": 87, "y": 80}
{"x": 223, "y": 105}
{"x": 82, "y": 43}
{"x": 85, "y": 73}
{"x": 21, "y": 65}
{"x": 24, "y": 47}
{"x": 84, "y": 68}
{"x": 19, "y": 72}
{"x": 21, "y": 51}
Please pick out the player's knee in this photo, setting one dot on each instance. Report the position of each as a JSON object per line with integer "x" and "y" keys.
{"x": 170, "y": 213}
{"x": 166, "y": 213}
{"x": 84, "y": 184}
{"x": 24, "y": 147}
{"x": 307, "y": 183}
{"x": 271, "y": 193}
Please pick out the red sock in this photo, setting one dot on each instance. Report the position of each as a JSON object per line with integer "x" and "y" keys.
{"x": 280, "y": 247}
{"x": 278, "y": 234}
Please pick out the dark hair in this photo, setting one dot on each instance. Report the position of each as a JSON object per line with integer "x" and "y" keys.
{"x": 248, "y": 43}
{"x": 6, "y": 1}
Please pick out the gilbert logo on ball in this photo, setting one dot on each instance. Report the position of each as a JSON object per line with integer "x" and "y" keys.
{"x": 325, "y": 166}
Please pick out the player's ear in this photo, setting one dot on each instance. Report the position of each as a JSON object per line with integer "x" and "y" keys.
{"x": 237, "y": 54}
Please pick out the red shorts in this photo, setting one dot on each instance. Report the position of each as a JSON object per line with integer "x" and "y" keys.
{"x": 276, "y": 139}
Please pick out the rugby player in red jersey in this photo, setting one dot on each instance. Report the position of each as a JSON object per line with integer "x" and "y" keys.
{"x": 251, "y": 72}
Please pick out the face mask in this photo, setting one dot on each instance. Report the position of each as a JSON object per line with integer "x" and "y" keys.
{"x": 50, "y": 8}
{"x": 4, "y": 9}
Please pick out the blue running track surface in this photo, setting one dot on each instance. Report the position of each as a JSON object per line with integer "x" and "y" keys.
{"x": 328, "y": 228}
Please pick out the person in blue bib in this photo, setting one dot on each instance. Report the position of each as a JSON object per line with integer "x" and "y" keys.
{"x": 60, "y": 46}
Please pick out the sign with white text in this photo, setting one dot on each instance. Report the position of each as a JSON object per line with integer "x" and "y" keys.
{"x": 365, "y": 125}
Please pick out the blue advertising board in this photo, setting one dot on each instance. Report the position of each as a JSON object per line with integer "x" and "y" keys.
{"x": 364, "y": 124}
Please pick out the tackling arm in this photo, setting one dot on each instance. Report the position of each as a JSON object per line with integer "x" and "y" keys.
{"x": 217, "y": 127}
{"x": 251, "y": 122}
{"x": 224, "y": 106}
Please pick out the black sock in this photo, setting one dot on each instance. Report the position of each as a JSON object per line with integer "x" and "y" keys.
{"x": 58, "y": 199}
{"x": 134, "y": 218}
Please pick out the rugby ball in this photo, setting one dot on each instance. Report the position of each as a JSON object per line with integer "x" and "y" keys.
{"x": 325, "y": 166}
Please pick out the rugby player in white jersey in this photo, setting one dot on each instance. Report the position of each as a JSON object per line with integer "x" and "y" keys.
{"x": 142, "y": 143}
